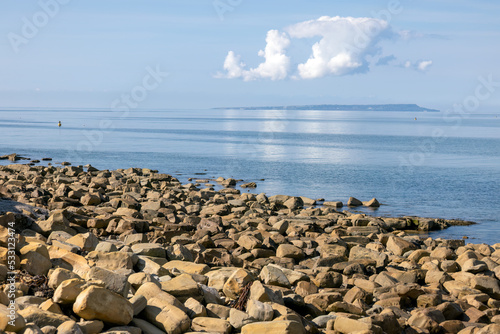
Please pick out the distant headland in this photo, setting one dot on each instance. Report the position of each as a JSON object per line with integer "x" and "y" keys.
{"x": 344, "y": 107}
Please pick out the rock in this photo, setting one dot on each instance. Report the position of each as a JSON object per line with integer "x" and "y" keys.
{"x": 151, "y": 265}
{"x": 69, "y": 327}
{"x": 56, "y": 222}
{"x": 103, "y": 304}
{"x": 218, "y": 311}
{"x": 474, "y": 266}
{"x": 149, "y": 249}
{"x": 476, "y": 316}
{"x": 68, "y": 291}
{"x": 361, "y": 253}
{"x": 399, "y": 246}
{"x": 90, "y": 199}
{"x": 264, "y": 294}
{"x": 110, "y": 261}
{"x": 51, "y": 306}
{"x": 328, "y": 279}
{"x": 323, "y": 320}
{"x": 86, "y": 241}
{"x": 373, "y": 203}
{"x": 346, "y": 325}
{"x": 424, "y": 321}
{"x": 272, "y": 275}
{"x": 195, "y": 308}
{"x": 308, "y": 201}
{"x": 112, "y": 281}
{"x": 60, "y": 275}
{"x": 204, "y": 324}
{"x": 450, "y": 310}
{"x": 146, "y": 327}
{"x": 238, "y": 318}
{"x": 489, "y": 285}
{"x": 354, "y": 202}
{"x": 70, "y": 261}
{"x": 35, "y": 264}
{"x": 236, "y": 282}
{"x": 249, "y": 242}
{"x": 187, "y": 267}
{"x": 306, "y": 288}
{"x": 275, "y": 327}
{"x": 490, "y": 329}
{"x": 289, "y": 251}
{"x": 167, "y": 317}
{"x": 259, "y": 311}
{"x": 139, "y": 303}
{"x": 452, "y": 326}
{"x": 124, "y": 330}
{"x": 294, "y": 203}
{"x": 252, "y": 185}
{"x": 429, "y": 300}
{"x": 136, "y": 280}
{"x": 179, "y": 252}
{"x": 32, "y": 329}
{"x": 182, "y": 287}
{"x": 151, "y": 291}
{"x": 333, "y": 204}
{"x": 323, "y": 300}
{"x": 42, "y": 318}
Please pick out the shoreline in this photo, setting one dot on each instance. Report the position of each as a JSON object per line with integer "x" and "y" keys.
{"x": 179, "y": 258}
{"x": 444, "y": 222}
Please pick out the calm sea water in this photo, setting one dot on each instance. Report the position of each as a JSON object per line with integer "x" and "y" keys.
{"x": 434, "y": 166}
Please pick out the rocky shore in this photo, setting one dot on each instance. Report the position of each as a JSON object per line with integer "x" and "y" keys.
{"x": 136, "y": 251}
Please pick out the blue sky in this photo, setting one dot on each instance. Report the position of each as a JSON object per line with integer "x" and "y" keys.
{"x": 87, "y": 54}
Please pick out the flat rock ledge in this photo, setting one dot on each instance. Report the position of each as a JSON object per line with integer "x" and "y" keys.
{"x": 135, "y": 251}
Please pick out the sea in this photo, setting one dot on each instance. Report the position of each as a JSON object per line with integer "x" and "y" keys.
{"x": 428, "y": 164}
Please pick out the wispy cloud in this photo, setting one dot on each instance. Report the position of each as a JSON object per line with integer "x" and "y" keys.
{"x": 410, "y": 34}
{"x": 347, "y": 45}
{"x": 391, "y": 60}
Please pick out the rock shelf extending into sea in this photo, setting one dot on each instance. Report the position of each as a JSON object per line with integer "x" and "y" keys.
{"x": 136, "y": 251}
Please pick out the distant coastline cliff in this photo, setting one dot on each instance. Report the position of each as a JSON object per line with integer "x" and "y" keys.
{"x": 344, "y": 107}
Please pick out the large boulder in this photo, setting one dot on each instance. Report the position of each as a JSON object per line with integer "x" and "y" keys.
{"x": 103, "y": 304}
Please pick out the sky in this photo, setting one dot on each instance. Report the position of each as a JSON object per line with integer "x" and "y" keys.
{"x": 186, "y": 54}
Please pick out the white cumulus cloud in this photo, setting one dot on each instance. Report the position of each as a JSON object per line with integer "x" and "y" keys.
{"x": 344, "y": 45}
{"x": 274, "y": 67}
{"x": 345, "y": 42}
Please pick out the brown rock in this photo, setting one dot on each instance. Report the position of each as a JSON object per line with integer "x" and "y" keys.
{"x": 275, "y": 327}
{"x": 203, "y": 324}
{"x": 236, "y": 282}
{"x": 103, "y": 304}
{"x": 42, "y": 318}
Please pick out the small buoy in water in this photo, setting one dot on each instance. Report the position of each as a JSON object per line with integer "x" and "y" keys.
{"x": 59, "y": 124}
{"x": 415, "y": 118}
